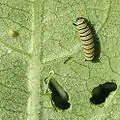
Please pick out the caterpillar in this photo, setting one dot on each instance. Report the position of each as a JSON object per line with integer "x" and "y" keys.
{"x": 86, "y": 37}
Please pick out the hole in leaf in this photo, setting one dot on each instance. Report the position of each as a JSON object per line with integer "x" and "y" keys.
{"x": 59, "y": 95}
{"x": 101, "y": 92}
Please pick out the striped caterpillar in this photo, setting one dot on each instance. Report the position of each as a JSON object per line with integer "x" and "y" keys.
{"x": 86, "y": 37}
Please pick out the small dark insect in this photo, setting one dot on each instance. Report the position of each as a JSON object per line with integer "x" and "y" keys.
{"x": 86, "y": 37}
{"x": 67, "y": 60}
{"x": 101, "y": 92}
{"x": 59, "y": 95}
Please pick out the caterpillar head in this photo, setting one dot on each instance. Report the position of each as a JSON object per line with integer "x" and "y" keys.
{"x": 80, "y": 20}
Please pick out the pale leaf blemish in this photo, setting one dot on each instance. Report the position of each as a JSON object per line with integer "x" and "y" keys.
{"x": 12, "y": 34}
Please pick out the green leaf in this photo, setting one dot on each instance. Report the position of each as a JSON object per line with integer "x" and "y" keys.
{"x": 47, "y": 44}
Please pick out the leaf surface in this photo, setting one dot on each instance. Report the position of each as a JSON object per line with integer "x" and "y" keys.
{"x": 48, "y": 44}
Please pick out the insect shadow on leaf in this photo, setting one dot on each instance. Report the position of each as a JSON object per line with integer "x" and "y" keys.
{"x": 59, "y": 95}
{"x": 16, "y": 34}
{"x": 101, "y": 92}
